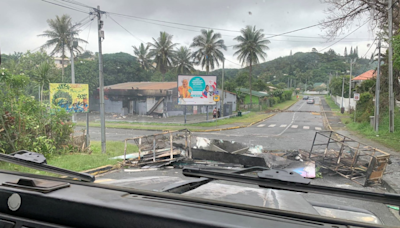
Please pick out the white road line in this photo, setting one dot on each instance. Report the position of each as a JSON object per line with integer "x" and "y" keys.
{"x": 261, "y": 125}
{"x": 306, "y": 127}
{"x": 318, "y": 128}
{"x": 294, "y": 115}
{"x": 295, "y": 126}
{"x": 283, "y": 125}
{"x": 272, "y": 125}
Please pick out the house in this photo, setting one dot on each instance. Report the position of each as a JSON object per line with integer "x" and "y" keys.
{"x": 257, "y": 97}
{"x": 150, "y": 98}
{"x": 364, "y": 76}
{"x": 230, "y": 100}
{"x": 319, "y": 84}
{"x": 58, "y": 62}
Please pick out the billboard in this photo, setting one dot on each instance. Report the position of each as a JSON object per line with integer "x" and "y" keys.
{"x": 197, "y": 90}
{"x": 71, "y": 97}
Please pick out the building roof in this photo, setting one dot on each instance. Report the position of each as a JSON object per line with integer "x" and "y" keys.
{"x": 319, "y": 84}
{"x": 143, "y": 85}
{"x": 365, "y": 76}
{"x": 253, "y": 92}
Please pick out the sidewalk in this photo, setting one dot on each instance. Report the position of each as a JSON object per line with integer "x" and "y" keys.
{"x": 392, "y": 176}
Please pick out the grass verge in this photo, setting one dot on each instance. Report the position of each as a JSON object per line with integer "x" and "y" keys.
{"x": 390, "y": 140}
{"x": 79, "y": 161}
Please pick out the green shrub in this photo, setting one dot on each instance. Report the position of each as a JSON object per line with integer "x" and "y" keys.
{"x": 26, "y": 124}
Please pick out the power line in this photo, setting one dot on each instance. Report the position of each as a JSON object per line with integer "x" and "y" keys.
{"x": 77, "y": 3}
{"x": 64, "y": 6}
{"x": 126, "y": 29}
{"x": 370, "y": 47}
{"x": 90, "y": 27}
{"x": 345, "y": 36}
{"x": 232, "y": 62}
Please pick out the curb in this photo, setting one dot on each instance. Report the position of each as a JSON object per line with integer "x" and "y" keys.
{"x": 390, "y": 186}
{"x": 102, "y": 169}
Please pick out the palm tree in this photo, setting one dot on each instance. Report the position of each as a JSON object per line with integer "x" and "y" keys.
{"x": 209, "y": 51}
{"x": 183, "y": 63}
{"x": 143, "y": 56}
{"x": 163, "y": 52}
{"x": 43, "y": 76}
{"x": 251, "y": 49}
{"x": 60, "y": 34}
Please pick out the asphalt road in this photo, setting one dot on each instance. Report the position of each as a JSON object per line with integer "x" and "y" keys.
{"x": 284, "y": 131}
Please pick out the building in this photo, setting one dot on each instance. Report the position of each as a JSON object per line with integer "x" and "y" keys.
{"x": 58, "y": 62}
{"x": 258, "y": 97}
{"x": 319, "y": 84}
{"x": 364, "y": 76}
{"x": 150, "y": 98}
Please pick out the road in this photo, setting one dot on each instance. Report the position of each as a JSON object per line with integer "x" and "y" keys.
{"x": 284, "y": 131}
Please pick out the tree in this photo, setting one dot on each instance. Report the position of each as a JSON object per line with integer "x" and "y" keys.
{"x": 314, "y": 50}
{"x": 209, "y": 53}
{"x": 345, "y": 52}
{"x": 351, "y": 51}
{"x": 183, "y": 64}
{"x": 143, "y": 56}
{"x": 60, "y": 35}
{"x": 43, "y": 76}
{"x": 163, "y": 52}
{"x": 342, "y": 14}
{"x": 251, "y": 48}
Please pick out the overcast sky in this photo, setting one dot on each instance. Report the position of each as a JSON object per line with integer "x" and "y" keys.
{"x": 22, "y": 20}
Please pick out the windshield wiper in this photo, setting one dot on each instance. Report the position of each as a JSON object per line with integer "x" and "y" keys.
{"x": 291, "y": 181}
{"x": 38, "y": 161}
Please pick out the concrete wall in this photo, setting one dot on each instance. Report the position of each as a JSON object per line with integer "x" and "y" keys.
{"x": 315, "y": 92}
{"x": 112, "y": 106}
{"x": 338, "y": 102}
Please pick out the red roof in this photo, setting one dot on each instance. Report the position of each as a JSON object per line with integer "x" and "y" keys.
{"x": 365, "y": 76}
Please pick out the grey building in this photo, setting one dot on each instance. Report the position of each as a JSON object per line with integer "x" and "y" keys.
{"x": 151, "y": 98}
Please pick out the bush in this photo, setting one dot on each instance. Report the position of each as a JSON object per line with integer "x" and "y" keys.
{"x": 26, "y": 124}
{"x": 365, "y": 107}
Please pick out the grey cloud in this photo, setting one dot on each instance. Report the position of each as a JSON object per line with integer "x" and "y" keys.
{"x": 25, "y": 19}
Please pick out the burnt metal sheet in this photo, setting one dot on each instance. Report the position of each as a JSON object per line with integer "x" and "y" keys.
{"x": 245, "y": 160}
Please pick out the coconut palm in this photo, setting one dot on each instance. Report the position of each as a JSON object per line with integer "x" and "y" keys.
{"x": 162, "y": 50}
{"x": 60, "y": 34}
{"x": 142, "y": 54}
{"x": 251, "y": 49}
{"x": 183, "y": 63}
{"x": 209, "y": 53}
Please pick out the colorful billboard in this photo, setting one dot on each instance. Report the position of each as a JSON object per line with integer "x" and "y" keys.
{"x": 71, "y": 97}
{"x": 196, "y": 90}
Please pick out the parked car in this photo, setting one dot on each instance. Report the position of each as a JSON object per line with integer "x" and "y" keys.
{"x": 305, "y": 98}
{"x": 310, "y": 101}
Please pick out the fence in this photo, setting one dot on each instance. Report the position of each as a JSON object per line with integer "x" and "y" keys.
{"x": 160, "y": 147}
{"x": 338, "y": 102}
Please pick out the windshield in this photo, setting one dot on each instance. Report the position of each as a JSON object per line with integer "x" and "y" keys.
{"x": 133, "y": 92}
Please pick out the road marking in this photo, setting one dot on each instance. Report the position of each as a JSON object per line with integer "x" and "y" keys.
{"x": 306, "y": 127}
{"x": 261, "y": 125}
{"x": 272, "y": 125}
{"x": 283, "y": 125}
{"x": 318, "y": 128}
{"x": 294, "y": 115}
{"x": 295, "y": 126}
{"x": 103, "y": 180}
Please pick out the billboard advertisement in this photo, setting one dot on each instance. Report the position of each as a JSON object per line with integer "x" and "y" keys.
{"x": 71, "y": 97}
{"x": 197, "y": 90}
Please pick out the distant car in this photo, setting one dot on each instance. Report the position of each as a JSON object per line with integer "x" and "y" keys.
{"x": 305, "y": 98}
{"x": 310, "y": 101}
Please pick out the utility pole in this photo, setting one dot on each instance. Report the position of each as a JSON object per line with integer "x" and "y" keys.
{"x": 223, "y": 91}
{"x": 101, "y": 80}
{"x": 391, "y": 95}
{"x": 342, "y": 108}
{"x": 72, "y": 69}
{"x": 351, "y": 68}
{"x": 377, "y": 88}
